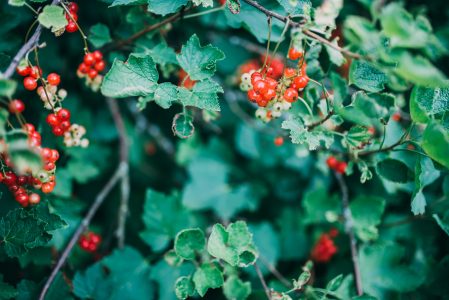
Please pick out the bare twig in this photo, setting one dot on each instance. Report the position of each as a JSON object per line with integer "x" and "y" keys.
{"x": 273, "y": 14}
{"x": 262, "y": 281}
{"x": 32, "y": 42}
{"x": 275, "y": 272}
{"x": 118, "y": 174}
{"x": 349, "y": 228}
{"x": 125, "y": 185}
{"x": 320, "y": 122}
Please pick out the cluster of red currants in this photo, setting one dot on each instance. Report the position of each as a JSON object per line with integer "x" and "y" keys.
{"x": 274, "y": 88}
{"x": 90, "y": 241}
{"x": 72, "y": 18}
{"x": 20, "y": 185}
{"x": 32, "y": 74}
{"x": 59, "y": 121}
{"x": 92, "y": 65}
{"x": 334, "y": 164}
{"x": 325, "y": 248}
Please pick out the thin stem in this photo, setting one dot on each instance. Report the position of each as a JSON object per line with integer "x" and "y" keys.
{"x": 281, "y": 38}
{"x": 31, "y": 8}
{"x": 268, "y": 44}
{"x": 349, "y": 228}
{"x": 125, "y": 185}
{"x": 306, "y": 105}
{"x": 273, "y": 14}
{"x": 275, "y": 272}
{"x": 83, "y": 35}
{"x": 206, "y": 12}
{"x": 117, "y": 175}
{"x": 322, "y": 121}
{"x": 262, "y": 281}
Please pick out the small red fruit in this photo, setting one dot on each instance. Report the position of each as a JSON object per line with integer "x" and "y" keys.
{"x": 290, "y": 95}
{"x": 289, "y": 72}
{"x": 279, "y": 141}
{"x": 53, "y": 79}
{"x": 396, "y": 117}
{"x": 89, "y": 59}
{"x": 73, "y": 7}
{"x": 71, "y": 27}
{"x": 92, "y": 73}
{"x": 23, "y": 71}
{"x": 63, "y": 114}
{"x": 100, "y": 65}
{"x": 30, "y": 83}
{"x": 341, "y": 167}
{"x": 254, "y": 96}
{"x": 16, "y": 106}
{"x": 97, "y": 55}
{"x": 34, "y": 198}
{"x": 52, "y": 120}
{"x": 301, "y": 81}
{"x": 294, "y": 54}
{"x": 269, "y": 94}
{"x": 332, "y": 162}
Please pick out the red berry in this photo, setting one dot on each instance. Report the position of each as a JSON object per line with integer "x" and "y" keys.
{"x": 256, "y": 76}
{"x": 71, "y": 17}
{"x": 10, "y": 178}
{"x": 53, "y": 79}
{"x": 333, "y": 232}
{"x": 16, "y": 106}
{"x": 89, "y": 59}
{"x": 36, "y": 72}
{"x": 272, "y": 83}
{"x": 22, "y": 180}
{"x": 301, "y": 81}
{"x": 34, "y": 198}
{"x": 49, "y": 166}
{"x": 29, "y": 128}
{"x": 52, "y": 120}
{"x": 22, "y": 199}
{"x": 57, "y": 131}
{"x": 260, "y": 86}
{"x": 289, "y": 72}
{"x": 100, "y": 65}
{"x": 294, "y": 54}
{"x": 290, "y": 95}
{"x": 332, "y": 162}
{"x": 341, "y": 167}
{"x": 23, "y": 71}
{"x": 262, "y": 102}
{"x": 54, "y": 155}
{"x": 71, "y": 27}
{"x": 65, "y": 125}
{"x": 95, "y": 238}
{"x": 47, "y": 187}
{"x": 83, "y": 68}
{"x": 63, "y": 114}
{"x": 279, "y": 141}
{"x": 97, "y": 55}
{"x": 92, "y": 73}
{"x": 396, "y": 117}
{"x": 73, "y": 7}
{"x": 269, "y": 94}
{"x": 30, "y": 83}
{"x": 254, "y": 96}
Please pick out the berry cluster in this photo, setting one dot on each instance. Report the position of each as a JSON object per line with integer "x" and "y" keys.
{"x": 91, "y": 67}
{"x": 90, "y": 241}
{"x": 72, "y": 18}
{"x": 275, "y": 91}
{"x": 59, "y": 121}
{"x": 31, "y": 74}
{"x": 74, "y": 136}
{"x": 20, "y": 184}
{"x": 325, "y": 248}
{"x": 334, "y": 164}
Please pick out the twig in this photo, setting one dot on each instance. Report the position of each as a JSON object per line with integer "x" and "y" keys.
{"x": 125, "y": 185}
{"x": 32, "y": 42}
{"x": 262, "y": 281}
{"x": 118, "y": 174}
{"x": 275, "y": 272}
{"x": 391, "y": 147}
{"x": 307, "y": 32}
{"x": 320, "y": 122}
{"x": 349, "y": 228}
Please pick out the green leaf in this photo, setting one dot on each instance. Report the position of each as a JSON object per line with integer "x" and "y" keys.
{"x": 164, "y": 7}
{"x": 235, "y": 289}
{"x": 128, "y": 2}
{"x": 16, "y": 3}
{"x": 189, "y": 242}
{"x": 135, "y": 77}
{"x": 184, "y": 287}
{"x": 163, "y": 216}
{"x": 402, "y": 29}
{"x": 234, "y": 6}
{"x": 20, "y": 232}
{"x": 335, "y": 283}
{"x": 301, "y": 135}
{"x": 335, "y": 56}
{"x": 204, "y": 3}
{"x": 204, "y": 95}
{"x": 99, "y": 35}
{"x": 166, "y": 276}
{"x": 162, "y": 54}
{"x": 367, "y": 77}
{"x": 128, "y": 274}
{"x": 92, "y": 284}
{"x": 206, "y": 277}
{"x": 166, "y": 93}
{"x": 357, "y": 136}
{"x": 393, "y": 170}
{"x": 7, "y": 88}
{"x": 199, "y": 62}
{"x": 296, "y": 7}
{"x": 340, "y": 89}
{"x": 435, "y": 142}
{"x": 367, "y": 212}
{"x": 432, "y": 101}
{"x": 182, "y": 125}
{"x": 53, "y": 17}
{"x": 320, "y": 207}
{"x": 7, "y": 291}
{"x": 231, "y": 244}
{"x": 425, "y": 174}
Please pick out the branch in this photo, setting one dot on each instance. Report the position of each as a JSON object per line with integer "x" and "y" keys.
{"x": 262, "y": 281}
{"x": 125, "y": 185}
{"x": 30, "y": 44}
{"x": 391, "y": 147}
{"x": 320, "y": 122}
{"x": 118, "y": 174}
{"x": 349, "y": 228}
{"x": 307, "y": 32}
